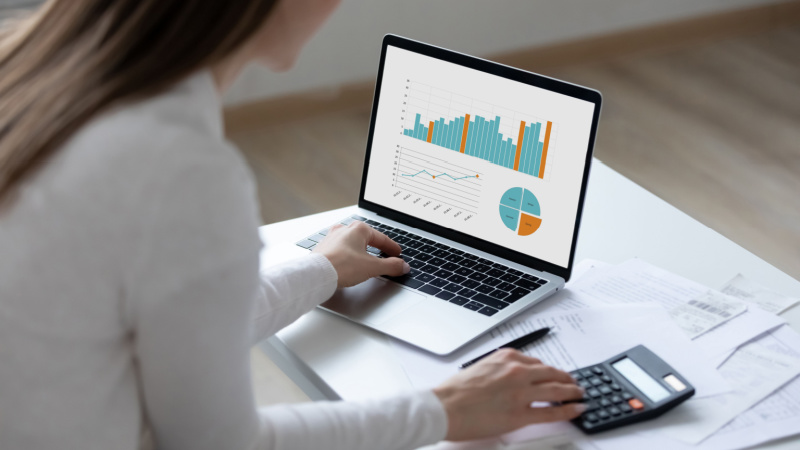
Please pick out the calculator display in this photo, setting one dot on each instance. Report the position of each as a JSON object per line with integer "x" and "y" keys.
{"x": 639, "y": 378}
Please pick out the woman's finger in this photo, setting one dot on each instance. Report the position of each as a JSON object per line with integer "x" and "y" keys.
{"x": 553, "y": 392}
{"x": 379, "y": 240}
{"x": 393, "y": 267}
{"x": 543, "y": 374}
{"x": 554, "y": 413}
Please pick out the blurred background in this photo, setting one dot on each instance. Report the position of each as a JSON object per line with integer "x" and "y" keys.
{"x": 702, "y": 101}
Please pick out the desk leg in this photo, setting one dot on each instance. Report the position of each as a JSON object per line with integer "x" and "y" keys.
{"x": 296, "y": 370}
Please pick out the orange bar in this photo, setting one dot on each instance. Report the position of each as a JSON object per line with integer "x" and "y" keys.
{"x": 544, "y": 149}
{"x": 464, "y": 134}
{"x": 519, "y": 144}
{"x": 430, "y": 131}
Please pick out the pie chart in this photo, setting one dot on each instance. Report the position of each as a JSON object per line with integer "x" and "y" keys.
{"x": 520, "y": 212}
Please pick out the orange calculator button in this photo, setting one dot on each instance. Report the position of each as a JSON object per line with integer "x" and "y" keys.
{"x": 636, "y": 403}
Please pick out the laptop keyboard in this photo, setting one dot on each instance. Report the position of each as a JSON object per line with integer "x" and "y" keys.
{"x": 448, "y": 273}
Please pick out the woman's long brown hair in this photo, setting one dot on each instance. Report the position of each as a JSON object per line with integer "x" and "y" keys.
{"x": 72, "y": 59}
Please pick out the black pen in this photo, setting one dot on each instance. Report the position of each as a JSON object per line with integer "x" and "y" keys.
{"x": 516, "y": 343}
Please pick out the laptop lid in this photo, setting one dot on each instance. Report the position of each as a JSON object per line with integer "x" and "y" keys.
{"x": 484, "y": 154}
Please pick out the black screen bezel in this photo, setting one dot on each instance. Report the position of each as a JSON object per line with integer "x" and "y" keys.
{"x": 510, "y": 73}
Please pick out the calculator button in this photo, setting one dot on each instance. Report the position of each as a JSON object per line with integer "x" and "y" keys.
{"x": 591, "y": 406}
{"x": 584, "y": 384}
{"x": 597, "y": 370}
{"x": 576, "y": 375}
{"x": 616, "y": 399}
{"x": 606, "y": 379}
{"x": 605, "y": 402}
{"x": 605, "y": 390}
{"x": 626, "y": 396}
{"x": 591, "y": 417}
{"x": 615, "y": 387}
{"x": 594, "y": 393}
{"x": 625, "y": 408}
{"x": 585, "y": 372}
{"x": 636, "y": 404}
{"x": 587, "y": 425}
{"x": 603, "y": 414}
{"x": 614, "y": 411}
{"x": 595, "y": 381}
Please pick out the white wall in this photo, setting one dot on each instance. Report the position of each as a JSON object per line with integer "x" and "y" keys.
{"x": 347, "y": 49}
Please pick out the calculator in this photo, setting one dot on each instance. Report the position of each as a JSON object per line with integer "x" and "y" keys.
{"x": 631, "y": 387}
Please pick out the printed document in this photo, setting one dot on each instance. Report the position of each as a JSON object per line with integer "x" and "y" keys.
{"x": 765, "y": 298}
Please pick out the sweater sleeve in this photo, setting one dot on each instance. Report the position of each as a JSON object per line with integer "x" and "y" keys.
{"x": 290, "y": 290}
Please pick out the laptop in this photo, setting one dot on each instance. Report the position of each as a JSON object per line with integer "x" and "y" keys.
{"x": 479, "y": 171}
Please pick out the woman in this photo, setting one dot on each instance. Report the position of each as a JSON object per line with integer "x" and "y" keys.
{"x": 130, "y": 292}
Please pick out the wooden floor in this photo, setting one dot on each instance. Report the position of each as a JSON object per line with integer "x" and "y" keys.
{"x": 713, "y": 129}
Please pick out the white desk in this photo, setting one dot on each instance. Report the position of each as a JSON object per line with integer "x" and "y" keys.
{"x": 330, "y": 358}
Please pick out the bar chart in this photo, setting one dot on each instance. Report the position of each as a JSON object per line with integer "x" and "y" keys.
{"x": 519, "y": 145}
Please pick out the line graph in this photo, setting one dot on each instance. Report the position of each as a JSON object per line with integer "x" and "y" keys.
{"x": 437, "y": 179}
{"x": 440, "y": 175}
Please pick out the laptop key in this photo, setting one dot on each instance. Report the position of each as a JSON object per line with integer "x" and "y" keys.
{"x": 425, "y": 277}
{"x": 372, "y": 222}
{"x": 359, "y": 218}
{"x": 541, "y": 282}
{"x": 492, "y": 281}
{"x": 397, "y": 238}
{"x": 453, "y": 258}
{"x": 373, "y": 250}
{"x": 444, "y": 295}
{"x": 466, "y": 292}
{"x": 450, "y": 266}
{"x": 483, "y": 268}
{"x": 487, "y": 311}
{"x": 526, "y": 284}
{"x": 440, "y": 253}
{"x": 457, "y": 279}
{"x": 471, "y": 284}
{"x": 506, "y": 287}
{"x": 514, "y": 272}
{"x": 511, "y": 298}
{"x": 495, "y": 273}
{"x": 485, "y": 261}
{"x": 468, "y": 263}
{"x": 489, "y": 301}
{"x": 410, "y": 252}
{"x": 439, "y": 282}
{"x": 417, "y": 264}
{"x": 424, "y": 256}
{"x": 443, "y": 273}
{"x": 509, "y": 278}
{"x": 464, "y": 272}
{"x": 427, "y": 248}
{"x": 457, "y": 251}
{"x": 305, "y": 243}
{"x": 477, "y": 276}
{"x": 429, "y": 269}
{"x": 500, "y": 294}
{"x": 453, "y": 287}
{"x": 473, "y": 306}
{"x": 484, "y": 289}
{"x": 520, "y": 291}
{"x": 459, "y": 300}
{"x": 413, "y": 244}
{"x": 428, "y": 289}
{"x": 437, "y": 262}
{"x": 471, "y": 257}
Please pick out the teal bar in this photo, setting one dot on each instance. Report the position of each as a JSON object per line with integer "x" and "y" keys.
{"x": 535, "y": 148}
{"x": 487, "y": 128}
{"x": 539, "y": 159}
{"x": 442, "y": 131}
{"x": 457, "y": 134}
{"x": 451, "y": 127}
{"x": 496, "y": 138}
{"x": 471, "y": 137}
{"x": 437, "y": 130}
{"x": 504, "y": 153}
{"x": 479, "y": 137}
{"x": 525, "y": 152}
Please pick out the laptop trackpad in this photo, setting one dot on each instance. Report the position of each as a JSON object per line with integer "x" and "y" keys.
{"x": 373, "y": 302}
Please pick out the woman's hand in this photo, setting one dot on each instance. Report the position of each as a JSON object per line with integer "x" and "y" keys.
{"x": 494, "y": 396}
{"x": 346, "y": 249}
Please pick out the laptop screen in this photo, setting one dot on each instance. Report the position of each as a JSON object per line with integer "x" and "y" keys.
{"x": 484, "y": 155}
